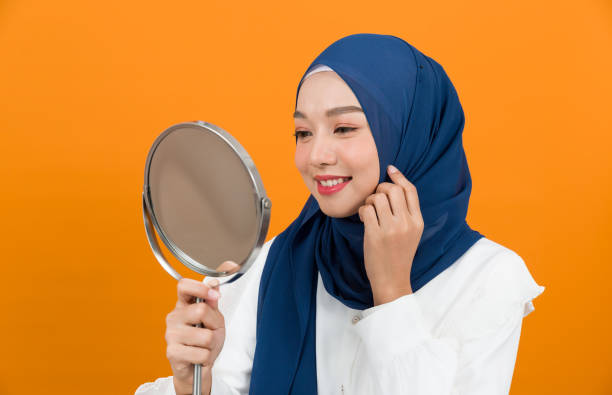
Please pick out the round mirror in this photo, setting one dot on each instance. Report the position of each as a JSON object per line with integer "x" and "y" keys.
{"x": 205, "y": 199}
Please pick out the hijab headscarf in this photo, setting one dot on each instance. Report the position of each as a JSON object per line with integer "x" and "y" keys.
{"x": 417, "y": 122}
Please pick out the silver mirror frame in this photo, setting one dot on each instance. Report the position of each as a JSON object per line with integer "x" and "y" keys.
{"x": 262, "y": 203}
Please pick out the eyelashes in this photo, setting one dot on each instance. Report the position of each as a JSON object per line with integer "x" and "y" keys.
{"x": 299, "y": 134}
{"x": 345, "y": 128}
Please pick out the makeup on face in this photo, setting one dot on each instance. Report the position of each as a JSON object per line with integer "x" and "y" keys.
{"x": 335, "y": 148}
{"x": 330, "y": 184}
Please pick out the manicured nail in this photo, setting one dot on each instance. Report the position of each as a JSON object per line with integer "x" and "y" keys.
{"x": 392, "y": 169}
{"x": 213, "y": 283}
{"x": 213, "y": 294}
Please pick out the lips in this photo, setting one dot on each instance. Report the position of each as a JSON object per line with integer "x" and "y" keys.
{"x": 330, "y": 184}
{"x": 328, "y": 177}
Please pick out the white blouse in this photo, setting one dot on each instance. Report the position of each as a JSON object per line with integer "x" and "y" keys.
{"x": 458, "y": 334}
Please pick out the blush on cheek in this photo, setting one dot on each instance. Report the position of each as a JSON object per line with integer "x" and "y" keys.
{"x": 301, "y": 163}
{"x": 300, "y": 159}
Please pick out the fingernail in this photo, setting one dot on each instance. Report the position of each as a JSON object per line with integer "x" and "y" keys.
{"x": 214, "y": 283}
{"x": 213, "y": 294}
{"x": 392, "y": 169}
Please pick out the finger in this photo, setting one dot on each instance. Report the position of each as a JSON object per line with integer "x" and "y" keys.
{"x": 191, "y": 336}
{"x": 412, "y": 198}
{"x": 189, "y": 289}
{"x": 380, "y": 201}
{"x": 194, "y": 355}
{"x": 397, "y": 199}
{"x": 214, "y": 292}
{"x": 367, "y": 215}
{"x": 413, "y": 202}
{"x": 230, "y": 267}
{"x": 203, "y": 313}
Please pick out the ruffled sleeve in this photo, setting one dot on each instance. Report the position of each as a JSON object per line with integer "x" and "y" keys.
{"x": 161, "y": 386}
{"x": 490, "y": 329}
{"x": 473, "y": 349}
{"x": 507, "y": 290}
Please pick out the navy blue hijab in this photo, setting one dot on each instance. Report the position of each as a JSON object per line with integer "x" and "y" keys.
{"x": 417, "y": 122}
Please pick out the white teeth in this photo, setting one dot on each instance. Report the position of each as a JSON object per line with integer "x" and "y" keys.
{"x": 329, "y": 183}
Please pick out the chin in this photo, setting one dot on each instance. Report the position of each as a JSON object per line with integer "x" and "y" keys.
{"x": 336, "y": 212}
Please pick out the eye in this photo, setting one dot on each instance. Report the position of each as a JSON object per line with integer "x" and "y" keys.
{"x": 300, "y": 134}
{"x": 345, "y": 129}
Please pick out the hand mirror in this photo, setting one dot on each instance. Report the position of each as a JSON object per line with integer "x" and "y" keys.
{"x": 204, "y": 198}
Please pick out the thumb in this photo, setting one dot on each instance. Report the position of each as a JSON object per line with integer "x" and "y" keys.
{"x": 214, "y": 294}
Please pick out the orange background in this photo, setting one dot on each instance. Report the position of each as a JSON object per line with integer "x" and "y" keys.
{"x": 85, "y": 87}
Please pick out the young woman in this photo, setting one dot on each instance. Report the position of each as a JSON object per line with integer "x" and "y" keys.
{"x": 379, "y": 286}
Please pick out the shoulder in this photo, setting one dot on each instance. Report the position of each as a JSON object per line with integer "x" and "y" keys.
{"x": 497, "y": 272}
{"x": 488, "y": 285}
{"x": 485, "y": 265}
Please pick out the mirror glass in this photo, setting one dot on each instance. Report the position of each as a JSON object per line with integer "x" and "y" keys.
{"x": 205, "y": 198}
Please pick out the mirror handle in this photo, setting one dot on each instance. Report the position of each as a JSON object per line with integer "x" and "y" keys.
{"x": 197, "y": 368}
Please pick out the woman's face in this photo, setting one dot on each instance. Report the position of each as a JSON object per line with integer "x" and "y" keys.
{"x": 334, "y": 145}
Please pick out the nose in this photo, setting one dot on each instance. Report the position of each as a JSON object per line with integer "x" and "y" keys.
{"x": 322, "y": 151}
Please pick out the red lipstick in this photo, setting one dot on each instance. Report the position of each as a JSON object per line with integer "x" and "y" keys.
{"x": 328, "y": 190}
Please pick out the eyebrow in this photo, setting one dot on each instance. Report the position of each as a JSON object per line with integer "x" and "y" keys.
{"x": 332, "y": 111}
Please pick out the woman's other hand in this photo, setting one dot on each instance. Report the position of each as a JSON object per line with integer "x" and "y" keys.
{"x": 393, "y": 229}
{"x": 189, "y": 345}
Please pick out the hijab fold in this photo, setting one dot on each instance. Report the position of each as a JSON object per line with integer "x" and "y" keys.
{"x": 417, "y": 123}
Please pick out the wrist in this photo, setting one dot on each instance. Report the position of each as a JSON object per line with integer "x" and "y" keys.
{"x": 181, "y": 388}
{"x": 386, "y": 294}
{"x": 206, "y": 382}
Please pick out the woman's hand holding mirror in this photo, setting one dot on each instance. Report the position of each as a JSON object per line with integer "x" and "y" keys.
{"x": 187, "y": 344}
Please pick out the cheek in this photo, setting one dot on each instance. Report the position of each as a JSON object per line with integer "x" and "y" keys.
{"x": 301, "y": 158}
{"x": 365, "y": 160}
{"x": 362, "y": 156}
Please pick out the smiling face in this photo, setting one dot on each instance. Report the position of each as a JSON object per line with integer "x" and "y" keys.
{"x": 334, "y": 145}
